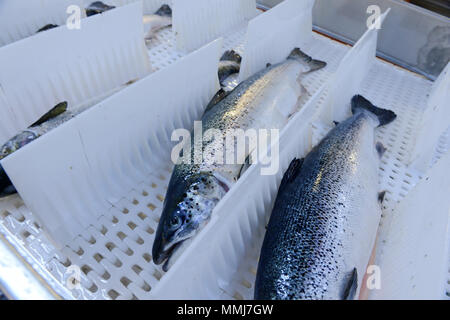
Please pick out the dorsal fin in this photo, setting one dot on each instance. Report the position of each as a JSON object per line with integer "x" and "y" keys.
{"x": 60, "y": 108}
{"x": 291, "y": 172}
{"x": 219, "y": 96}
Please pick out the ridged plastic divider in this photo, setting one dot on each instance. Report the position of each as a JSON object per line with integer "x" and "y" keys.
{"x": 22, "y": 18}
{"x": 243, "y": 214}
{"x": 351, "y": 72}
{"x": 197, "y": 22}
{"x": 88, "y": 163}
{"x": 238, "y": 219}
{"x": 434, "y": 123}
{"x": 418, "y": 237}
{"x": 105, "y": 53}
{"x": 273, "y": 34}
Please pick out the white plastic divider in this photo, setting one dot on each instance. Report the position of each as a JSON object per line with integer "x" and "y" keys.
{"x": 149, "y": 6}
{"x": 80, "y": 168}
{"x": 243, "y": 213}
{"x": 22, "y": 18}
{"x": 239, "y": 218}
{"x": 197, "y": 22}
{"x": 435, "y": 120}
{"x": 70, "y": 65}
{"x": 353, "y": 68}
{"x": 272, "y": 35}
{"x": 417, "y": 234}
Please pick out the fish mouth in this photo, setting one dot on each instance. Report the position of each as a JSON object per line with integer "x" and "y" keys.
{"x": 165, "y": 255}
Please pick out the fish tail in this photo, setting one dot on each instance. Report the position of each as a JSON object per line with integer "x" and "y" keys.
{"x": 384, "y": 116}
{"x": 231, "y": 55}
{"x": 306, "y": 60}
{"x": 164, "y": 11}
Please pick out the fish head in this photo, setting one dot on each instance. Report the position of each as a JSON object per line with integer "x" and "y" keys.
{"x": 187, "y": 207}
{"x": 16, "y": 143}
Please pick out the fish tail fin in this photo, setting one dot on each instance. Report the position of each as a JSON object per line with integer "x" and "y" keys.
{"x": 164, "y": 11}
{"x": 306, "y": 60}
{"x": 384, "y": 116}
{"x": 231, "y": 55}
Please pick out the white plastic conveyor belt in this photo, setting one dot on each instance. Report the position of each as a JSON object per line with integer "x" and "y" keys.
{"x": 105, "y": 186}
{"x": 79, "y": 66}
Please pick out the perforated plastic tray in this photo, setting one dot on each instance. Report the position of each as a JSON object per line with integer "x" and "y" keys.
{"x": 113, "y": 253}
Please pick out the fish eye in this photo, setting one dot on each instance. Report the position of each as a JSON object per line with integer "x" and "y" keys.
{"x": 175, "y": 222}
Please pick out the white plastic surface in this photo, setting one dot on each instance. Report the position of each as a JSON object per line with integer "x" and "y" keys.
{"x": 434, "y": 123}
{"x": 111, "y": 147}
{"x": 69, "y": 65}
{"x": 22, "y": 18}
{"x": 237, "y": 221}
{"x": 351, "y": 72}
{"x": 415, "y": 258}
{"x": 197, "y": 22}
{"x": 114, "y": 251}
{"x": 272, "y": 35}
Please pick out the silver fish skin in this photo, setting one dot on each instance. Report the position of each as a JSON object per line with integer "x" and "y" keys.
{"x": 324, "y": 222}
{"x": 155, "y": 22}
{"x": 264, "y": 101}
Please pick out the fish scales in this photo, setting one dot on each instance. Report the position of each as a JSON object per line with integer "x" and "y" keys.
{"x": 264, "y": 101}
{"x": 324, "y": 222}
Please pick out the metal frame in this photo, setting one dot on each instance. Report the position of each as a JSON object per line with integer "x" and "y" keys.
{"x": 410, "y": 34}
{"x": 339, "y": 19}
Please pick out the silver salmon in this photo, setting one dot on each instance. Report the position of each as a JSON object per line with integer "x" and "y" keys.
{"x": 324, "y": 222}
{"x": 264, "y": 101}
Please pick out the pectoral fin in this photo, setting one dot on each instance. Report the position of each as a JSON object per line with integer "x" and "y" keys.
{"x": 245, "y": 166}
{"x": 219, "y": 96}
{"x": 291, "y": 172}
{"x": 352, "y": 285}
